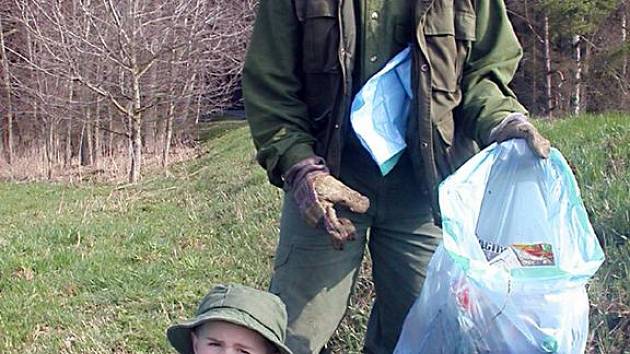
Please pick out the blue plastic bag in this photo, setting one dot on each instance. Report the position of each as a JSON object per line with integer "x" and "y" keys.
{"x": 380, "y": 111}
{"x": 496, "y": 299}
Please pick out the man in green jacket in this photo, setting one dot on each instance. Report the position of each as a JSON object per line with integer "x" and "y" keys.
{"x": 306, "y": 60}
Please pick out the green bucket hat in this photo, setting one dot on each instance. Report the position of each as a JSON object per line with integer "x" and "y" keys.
{"x": 257, "y": 310}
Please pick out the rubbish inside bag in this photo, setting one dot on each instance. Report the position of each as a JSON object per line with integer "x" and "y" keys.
{"x": 517, "y": 251}
{"x": 518, "y": 255}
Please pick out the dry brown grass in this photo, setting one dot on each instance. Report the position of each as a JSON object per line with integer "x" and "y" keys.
{"x": 32, "y": 166}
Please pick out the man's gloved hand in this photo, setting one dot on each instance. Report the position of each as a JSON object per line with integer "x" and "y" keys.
{"x": 516, "y": 125}
{"x": 316, "y": 193}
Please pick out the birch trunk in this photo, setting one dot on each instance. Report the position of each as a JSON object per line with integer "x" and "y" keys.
{"x": 136, "y": 131}
{"x": 534, "y": 62}
{"x": 136, "y": 112}
{"x": 577, "y": 94}
{"x": 136, "y": 149}
{"x": 548, "y": 68}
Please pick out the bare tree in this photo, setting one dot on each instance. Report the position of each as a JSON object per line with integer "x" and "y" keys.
{"x": 93, "y": 71}
{"x": 74, "y": 40}
{"x": 7, "y": 126}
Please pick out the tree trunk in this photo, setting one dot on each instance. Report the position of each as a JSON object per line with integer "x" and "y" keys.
{"x": 96, "y": 152}
{"x": 168, "y": 133}
{"x": 110, "y": 132}
{"x": 624, "y": 34}
{"x": 86, "y": 141}
{"x": 136, "y": 149}
{"x": 80, "y": 143}
{"x": 548, "y": 68}
{"x": 534, "y": 62}
{"x": 89, "y": 139}
{"x": 7, "y": 128}
{"x": 198, "y": 110}
{"x": 534, "y": 73}
{"x": 624, "y": 66}
{"x": 67, "y": 158}
{"x": 50, "y": 146}
{"x": 159, "y": 132}
{"x": 577, "y": 94}
{"x": 136, "y": 131}
{"x": 57, "y": 146}
{"x": 136, "y": 112}
{"x": 156, "y": 125}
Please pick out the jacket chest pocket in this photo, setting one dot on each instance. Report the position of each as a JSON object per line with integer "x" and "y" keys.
{"x": 320, "y": 35}
{"x": 321, "y": 70}
{"x": 449, "y": 29}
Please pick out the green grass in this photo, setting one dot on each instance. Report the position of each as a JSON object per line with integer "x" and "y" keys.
{"x": 598, "y": 149}
{"x": 96, "y": 269}
{"x": 218, "y": 128}
{"x": 105, "y": 269}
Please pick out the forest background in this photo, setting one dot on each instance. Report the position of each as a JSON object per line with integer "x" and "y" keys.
{"x": 90, "y": 80}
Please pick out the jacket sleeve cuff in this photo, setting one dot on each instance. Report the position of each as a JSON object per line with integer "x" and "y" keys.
{"x": 292, "y": 156}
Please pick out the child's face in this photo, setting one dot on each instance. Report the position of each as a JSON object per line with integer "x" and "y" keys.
{"x": 219, "y": 337}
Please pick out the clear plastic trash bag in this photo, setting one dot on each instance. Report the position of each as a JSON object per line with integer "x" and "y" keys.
{"x": 517, "y": 302}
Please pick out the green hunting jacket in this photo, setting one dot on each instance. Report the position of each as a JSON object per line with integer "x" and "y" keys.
{"x": 297, "y": 82}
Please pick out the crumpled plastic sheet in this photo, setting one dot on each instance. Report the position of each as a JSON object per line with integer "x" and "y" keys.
{"x": 380, "y": 111}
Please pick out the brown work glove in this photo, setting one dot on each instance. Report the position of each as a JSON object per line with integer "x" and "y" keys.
{"x": 516, "y": 125}
{"x": 316, "y": 193}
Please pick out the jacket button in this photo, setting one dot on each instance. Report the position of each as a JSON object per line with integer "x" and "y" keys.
{"x": 424, "y": 67}
{"x": 336, "y": 126}
{"x": 424, "y": 145}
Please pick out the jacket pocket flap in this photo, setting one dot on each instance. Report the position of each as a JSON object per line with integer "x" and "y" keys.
{"x": 315, "y": 8}
{"x": 465, "y": 25}
{"x": 440, "y": 22}
{"x": 446, "y": 128}
{"x": 459, "y": 20}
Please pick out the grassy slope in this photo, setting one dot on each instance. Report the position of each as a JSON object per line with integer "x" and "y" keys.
{"x": 100, "y": 269}
{"x": 94, "y": 269}
{"x": 598, "y": 149}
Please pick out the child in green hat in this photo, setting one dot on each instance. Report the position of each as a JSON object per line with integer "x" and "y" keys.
{"x": 233, "y": 319}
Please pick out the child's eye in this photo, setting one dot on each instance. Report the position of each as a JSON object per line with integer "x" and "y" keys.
{"x": 214, "y": 344}
{"x": 244, "y": 351}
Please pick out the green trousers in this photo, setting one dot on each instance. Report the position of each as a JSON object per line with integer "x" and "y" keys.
{"x": 315, "y": 281}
